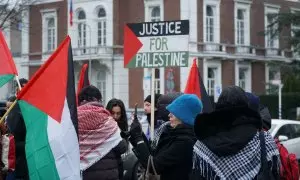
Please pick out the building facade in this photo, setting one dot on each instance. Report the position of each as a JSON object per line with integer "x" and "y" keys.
{"x": 224, "y": 37}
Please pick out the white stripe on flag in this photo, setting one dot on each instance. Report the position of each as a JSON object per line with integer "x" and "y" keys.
{"x": 65, "y": 147}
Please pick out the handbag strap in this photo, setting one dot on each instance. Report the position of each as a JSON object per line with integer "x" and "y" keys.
{"x": 263, "y": 152}
{"x": 150, "y": 163}
{"x": 153, "y": 167}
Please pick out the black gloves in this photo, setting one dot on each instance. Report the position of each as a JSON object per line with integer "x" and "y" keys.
{"x": 136, "y": 133}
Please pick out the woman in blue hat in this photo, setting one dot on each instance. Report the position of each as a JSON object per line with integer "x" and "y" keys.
{"x": 172, "y": 158}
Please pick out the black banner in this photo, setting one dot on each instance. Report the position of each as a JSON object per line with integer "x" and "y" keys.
{"x": 160, "y": 28}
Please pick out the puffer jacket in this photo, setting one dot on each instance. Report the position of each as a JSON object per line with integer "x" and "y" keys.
{"x": 108, "y": 167}
{"x": 172, "y": 157}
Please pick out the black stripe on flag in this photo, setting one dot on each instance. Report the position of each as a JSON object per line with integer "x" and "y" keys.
{"x": 71, "y": 95}
{"x": 207, "y": 106}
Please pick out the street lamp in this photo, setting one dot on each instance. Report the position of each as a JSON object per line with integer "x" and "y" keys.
{"x": 280, "y": 86}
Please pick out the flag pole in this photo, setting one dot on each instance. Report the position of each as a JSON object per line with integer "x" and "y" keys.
{"x": 14, "y": 103}
{"x": 152, "y": 103}
{"x": 18, "y": 82}
{"x": 8, "y": 111}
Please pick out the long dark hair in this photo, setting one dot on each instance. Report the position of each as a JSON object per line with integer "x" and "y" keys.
{"x": 123, "y": 123}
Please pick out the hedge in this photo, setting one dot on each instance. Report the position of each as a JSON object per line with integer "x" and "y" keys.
{"x": 290, "y": 102}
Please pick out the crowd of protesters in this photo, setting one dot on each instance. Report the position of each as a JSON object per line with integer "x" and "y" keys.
{"x": 230, "y": 142}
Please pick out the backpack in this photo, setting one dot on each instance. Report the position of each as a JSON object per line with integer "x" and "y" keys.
{"x": 289, "y": 169}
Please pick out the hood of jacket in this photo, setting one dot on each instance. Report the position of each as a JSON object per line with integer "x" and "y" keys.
{"x": 227, "y": 130}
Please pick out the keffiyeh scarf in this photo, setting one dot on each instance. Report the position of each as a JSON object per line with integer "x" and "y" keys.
{"x": 98, "y": 134}
{"x": 244, "y": 165}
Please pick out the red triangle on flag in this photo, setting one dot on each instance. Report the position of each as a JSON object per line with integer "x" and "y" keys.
{"x": 131, "y": 45}
{"x": 193, "y": 85}
{"x": 6, "y": 61}
{"x": 48, "y": 87}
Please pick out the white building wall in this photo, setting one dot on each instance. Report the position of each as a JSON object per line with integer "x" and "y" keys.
{"x": 188, "y": 10}
{"x": 90, "y": 9}
{"x": 116, "y": 74}
{"x": 5, "y": 91}
{"x": 121, "y": 82}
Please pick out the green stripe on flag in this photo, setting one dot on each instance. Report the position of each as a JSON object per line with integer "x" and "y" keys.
{"x": 5, "y": 78}
{"x": 40, "y": 160}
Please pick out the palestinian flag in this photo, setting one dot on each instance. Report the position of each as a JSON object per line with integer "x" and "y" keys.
{"x": 8, "y": 68}
{"x": 83, "y": 79}
{"x": 48, "y": 106}
{"x": 195, "y": 86}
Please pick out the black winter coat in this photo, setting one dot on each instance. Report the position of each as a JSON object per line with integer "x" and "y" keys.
{"x": 173, "y": 155}
{"x": 108, "y": 168}
{"x": 16, "y": 126}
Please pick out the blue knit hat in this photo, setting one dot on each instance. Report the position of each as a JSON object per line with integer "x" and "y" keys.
{"x": 186, "y": 107}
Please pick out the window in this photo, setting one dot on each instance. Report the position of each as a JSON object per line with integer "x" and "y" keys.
{"x": 157, "y": 81}
{"x": 101, "y": 26}
{"x": 212, "y": 76}
{"x": 295, "y": 28}
{"x": 271, "y": 39}
{"x": 241, "y": 26}
{"x": 49, "y": 23}
{"x": 209, "y": 24}
{"x": 82, "y": 30}
{"x": 270, "y": 32}
{"x": 155, "y": 14}
{"x": 211, "y": 80}
{"x": 285, "y": 130}
{"x": 272, "y": 73}
{"x": 297, "y": 130}
{"x": 242, "y": 77}
{"x": 76, "y": 79}
{"x": 51, "y": 34}
{"x": 101, "y": 84}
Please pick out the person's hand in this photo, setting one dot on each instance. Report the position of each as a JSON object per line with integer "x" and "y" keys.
{"x": 135, "y": 132}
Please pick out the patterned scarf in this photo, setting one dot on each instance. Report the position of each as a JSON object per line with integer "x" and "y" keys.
{"x": 158, "y": 133}
{"x": 243, "y": 165}
{"x": 98, "y": 133}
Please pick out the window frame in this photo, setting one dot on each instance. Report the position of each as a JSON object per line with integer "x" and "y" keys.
{"x": 156, "y": 18}
{"x": 294, "y": 27}
{"x": 101, "y": 21}
{"x": 290, "y": 130}
{"x": 149, "y": 5}
{"x": 267, "y": 75}
{"x": 245, "y": 6}
{"x": 46, "y": 15}
{"x": 248, "y": 79}
{"x": 81, "y": 27}
{"x": 102, "y": 82}
{"x": 270, "y": 9}
{"x": 241, "y": 28}
{"x": 215, "y": 4}
{"x": 218, "y": 79}
{"x": 210, "y": 24}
